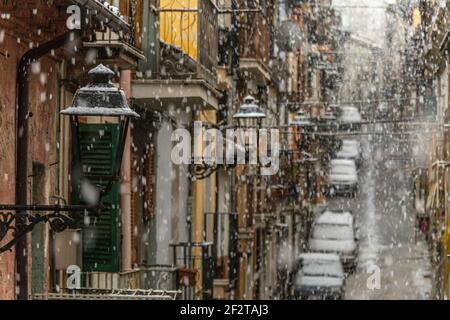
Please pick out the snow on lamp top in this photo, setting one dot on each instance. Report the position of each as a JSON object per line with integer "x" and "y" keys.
{"x": 249, "y": 110}
{"x": 100, "y": 97}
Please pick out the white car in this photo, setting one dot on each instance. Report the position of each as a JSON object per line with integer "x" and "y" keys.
{"x": 334, "y": 232}
{"x": 343, "y": 177}
{"x": 350, "y": 117}
{"x": 351, "y": 150}
{"x": 318, "y": 276}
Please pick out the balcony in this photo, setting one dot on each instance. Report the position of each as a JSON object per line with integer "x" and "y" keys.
{"x": 140, "y": 284}
{"x": 254, "y": 48}
{"x": 111, "y": 40}
{"x": 182, "y": 70}
{"x": 191, "y": 258}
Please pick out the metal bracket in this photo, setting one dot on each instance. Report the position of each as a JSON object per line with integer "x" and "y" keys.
{"x": 18, "y": 220}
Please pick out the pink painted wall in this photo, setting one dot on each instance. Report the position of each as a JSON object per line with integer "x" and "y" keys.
{"x": 42, "y": 133}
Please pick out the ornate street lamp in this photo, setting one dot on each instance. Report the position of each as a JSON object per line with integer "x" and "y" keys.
{"x": 249, "y": 114}
{"x": 100, "y": 98}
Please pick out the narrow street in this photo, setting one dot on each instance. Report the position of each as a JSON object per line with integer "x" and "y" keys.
{"x": 385, "y": 217}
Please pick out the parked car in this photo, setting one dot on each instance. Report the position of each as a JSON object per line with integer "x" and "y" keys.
{"x": 335, "y": 232}
{"x": 343, "y": 177}
{"x": 351, "y": 150}
{"x": 350, "y": 118}
{"x": 318, "y": 276}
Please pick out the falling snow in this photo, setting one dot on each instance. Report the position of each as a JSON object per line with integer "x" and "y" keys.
{"x": 347, "y": 99}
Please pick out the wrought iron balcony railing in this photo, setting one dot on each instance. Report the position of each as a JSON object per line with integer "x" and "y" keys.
{"x": 141, "y": 284}
{"x": 255, "y": 35}
{"x": 188, "y": 42}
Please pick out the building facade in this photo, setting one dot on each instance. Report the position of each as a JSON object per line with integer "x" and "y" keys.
{"x": 195, "y": 230}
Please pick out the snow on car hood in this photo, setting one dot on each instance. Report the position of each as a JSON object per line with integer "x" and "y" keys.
{"x": 347, "y": 153}
{"x": 332, "y": 245}
{"x": 343, "y": 177}
{"x": 308, "y": 281}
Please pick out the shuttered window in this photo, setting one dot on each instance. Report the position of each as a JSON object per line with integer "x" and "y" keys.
{"x": 100, "y": 235}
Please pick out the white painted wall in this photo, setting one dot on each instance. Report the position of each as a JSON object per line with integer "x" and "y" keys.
{"x": 180, "y": 190}
{"x": 224, "y": 207}
{"x": 163, "y": 199}
{"x": 443, "y": 94}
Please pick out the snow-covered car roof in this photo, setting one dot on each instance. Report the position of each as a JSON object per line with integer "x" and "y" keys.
{"x": 351, "y": 142}
{"x": 350, "y": 145}
{"x": 328, "y": 217}
{"x": 333, "y": 232}
{"x": 350, "y": 114}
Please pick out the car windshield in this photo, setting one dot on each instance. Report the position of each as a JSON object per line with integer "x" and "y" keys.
{"x": 332, "y": 232}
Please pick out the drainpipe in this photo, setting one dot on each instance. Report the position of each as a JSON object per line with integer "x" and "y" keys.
{"x": 233, "y": 263}
{"x": 23, "y": 72}
{"x": 125, "y": 187}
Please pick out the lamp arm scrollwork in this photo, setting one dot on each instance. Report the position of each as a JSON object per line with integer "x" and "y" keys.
{"x": 59, "y": 218}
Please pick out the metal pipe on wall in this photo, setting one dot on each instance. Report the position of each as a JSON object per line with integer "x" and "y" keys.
{"x": 23, "y": 73}
{"x": 125, "y": 185}
{"x": 233, "y": 257}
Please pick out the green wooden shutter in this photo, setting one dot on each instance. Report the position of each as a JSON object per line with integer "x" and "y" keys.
{"x": 100, "y": 235}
